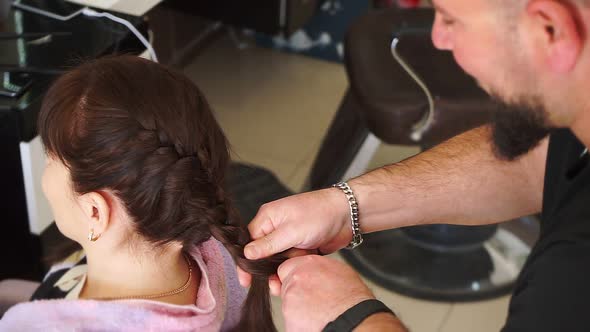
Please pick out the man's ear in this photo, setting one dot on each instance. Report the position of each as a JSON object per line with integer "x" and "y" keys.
{"x": 554, "y": 30}
{"x": 97, "y": 210}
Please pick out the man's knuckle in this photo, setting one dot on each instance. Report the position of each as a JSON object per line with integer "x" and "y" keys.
{"x": 295, "y": 278}
{"x": 268, "y": 244}
{"x": 265, "y": 208}
{"x": 310, "y": 259}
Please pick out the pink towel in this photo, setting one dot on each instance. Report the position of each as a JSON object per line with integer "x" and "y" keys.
{"x": 218, "y": 305}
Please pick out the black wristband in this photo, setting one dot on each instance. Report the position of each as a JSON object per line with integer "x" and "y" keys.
{"x": 352, "y": 317}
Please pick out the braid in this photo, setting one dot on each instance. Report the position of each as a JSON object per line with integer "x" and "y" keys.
{"x": 256, "y": 311}
{"x": 227, "y": 229}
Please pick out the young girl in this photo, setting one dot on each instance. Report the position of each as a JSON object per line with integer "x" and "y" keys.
{"x": 136, "y": 176}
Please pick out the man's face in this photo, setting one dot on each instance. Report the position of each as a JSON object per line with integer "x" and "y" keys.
{"x": 485, "y": 41}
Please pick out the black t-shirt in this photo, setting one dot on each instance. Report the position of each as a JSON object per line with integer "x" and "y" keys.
{"x": 553, "y": 290}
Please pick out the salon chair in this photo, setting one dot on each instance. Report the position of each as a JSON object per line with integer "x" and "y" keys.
{"x": 403, "y": 91}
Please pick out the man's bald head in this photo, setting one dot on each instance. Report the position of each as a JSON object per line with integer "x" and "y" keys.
{"x": 512, "y": 4}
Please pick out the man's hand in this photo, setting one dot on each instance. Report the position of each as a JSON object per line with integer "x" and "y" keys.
{"x": 308, "y": 223}
{"x": 315, "y": 290}
{"x": 313, "y": 220}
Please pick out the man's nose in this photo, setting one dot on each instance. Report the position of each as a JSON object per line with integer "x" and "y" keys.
{"x": 441, "y": 35}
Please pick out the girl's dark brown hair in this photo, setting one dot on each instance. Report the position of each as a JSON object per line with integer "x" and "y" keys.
{"x": 146, "y": 133}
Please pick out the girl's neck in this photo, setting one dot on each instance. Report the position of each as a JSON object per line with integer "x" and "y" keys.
{"x": 122, "y": 274}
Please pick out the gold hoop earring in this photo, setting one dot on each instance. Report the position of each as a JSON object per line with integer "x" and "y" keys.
{"x": 91, "y": 236}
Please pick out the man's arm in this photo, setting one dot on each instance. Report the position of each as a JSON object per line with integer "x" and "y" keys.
{"x": 458, "y": 182}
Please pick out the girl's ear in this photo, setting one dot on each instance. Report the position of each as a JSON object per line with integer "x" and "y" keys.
{"x": 97, "y": 210}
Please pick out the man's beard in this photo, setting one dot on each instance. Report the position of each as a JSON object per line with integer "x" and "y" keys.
{"x": 518, "y": 127}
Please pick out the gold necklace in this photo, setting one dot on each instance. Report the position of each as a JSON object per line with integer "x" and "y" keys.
{"x": 155, "y": 296}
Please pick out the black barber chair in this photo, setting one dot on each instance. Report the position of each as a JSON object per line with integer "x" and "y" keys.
{"x": 403, "y": 91}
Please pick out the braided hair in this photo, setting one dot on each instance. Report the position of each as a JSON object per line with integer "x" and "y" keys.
{"x": 146, "y": 133}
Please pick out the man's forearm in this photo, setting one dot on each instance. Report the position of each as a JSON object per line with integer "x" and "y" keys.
{"x": 457, "y": 182}
{"x": 381, "y": 322}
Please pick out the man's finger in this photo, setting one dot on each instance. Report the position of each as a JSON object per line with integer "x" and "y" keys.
{"x": 244, "y": 277}
{"x": 275, "y": 285}
{"x": 279, "y": 240}
{"x": 261, "y": 225}
{"x": 288, "y": 266}
{"x": 294, "y": 252}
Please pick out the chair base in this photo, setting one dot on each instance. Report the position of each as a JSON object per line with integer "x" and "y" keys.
{"x": 395, "y": 261}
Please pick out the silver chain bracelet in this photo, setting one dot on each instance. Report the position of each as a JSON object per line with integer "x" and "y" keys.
{"x": 357, "y": 237}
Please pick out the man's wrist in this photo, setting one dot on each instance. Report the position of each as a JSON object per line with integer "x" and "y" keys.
{"x": 381, "y": 321}
{"x": 342, "y": 218}
{"x": 357, "y": 314}
{"x": 354, "y": 220}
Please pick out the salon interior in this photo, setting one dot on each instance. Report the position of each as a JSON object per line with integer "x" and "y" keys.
{"x": 308, "y": 92}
